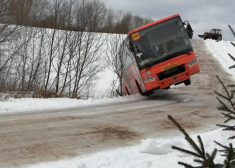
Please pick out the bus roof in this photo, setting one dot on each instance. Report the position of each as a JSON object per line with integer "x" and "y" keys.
{"x": 152, "y": 23}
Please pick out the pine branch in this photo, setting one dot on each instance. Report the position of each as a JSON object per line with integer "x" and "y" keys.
{"x": 226, "y": 127}
{"x": 201, "y": 145}
{"x": 205, "y": 160}
{"x": 228, "y": 95}
{"x": 232, "y": 44}
{"x": 226, "y": 90}
{"x": 222, "y": 95}
{"x": 187, "y": 137}
{"x": 230, "y": 157}
{"x": 185, "y": 151}
{"x": 229, "y": 153}
{"x": 225, "y": 147}
{"x": 212, "y": 157}
{"x": 231, "y": 86}
{"x": 232, "y": 137}
{"x": 232, "y": 95}
{"x": 231, "y": 57}
{"x": 198, "y": 161}
{"x": 231, "y": 67}
{"x": 224, "y": 107}
{"x": 186, "y": 165}
{"x": 229, "y": 116}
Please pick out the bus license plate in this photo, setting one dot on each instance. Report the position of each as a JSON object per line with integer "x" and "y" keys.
{"x": 170, "y": 66}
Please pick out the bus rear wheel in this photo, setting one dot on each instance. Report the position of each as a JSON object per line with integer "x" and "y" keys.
{"x": 187, "y": 82}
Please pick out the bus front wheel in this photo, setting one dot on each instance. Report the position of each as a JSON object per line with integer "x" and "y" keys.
{"x": 187, "y": 82}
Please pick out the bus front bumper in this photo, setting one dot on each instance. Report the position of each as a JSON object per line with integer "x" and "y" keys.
{"x": 173, "y": 80}
{"x": 180, "y": 78}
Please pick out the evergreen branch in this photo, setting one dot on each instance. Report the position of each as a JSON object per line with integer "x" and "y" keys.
{"x": 212, "y": 156}
{"x": 201, "y": 145}
{"x": 186, "y": 165}
{"x": 221, "y": 101}
{"x": 187, "y": 137}
{"x": 230, "y": 156}
{"x": 228, "y": 114}
{"x": 226, "y": 121}
{"x": 225, "y": 147}
{"x": 226, "y": 90}
{"x": 232, "y": 137}
{"x": 232, "y": 44}
{"x": 231, "y": 67}
{"x": 231, "y": 96}
{"x": 208, "y": 163}
{"x": 229, "y": 153}
{"x": 231, "y": 57}
{"x": 198, "y": 161}
{"x": 226, "y": 110}
{"x": 185, "y": 151}
{"x": 224, "y": 107}
{"x": 226, "y": 127}
{"x": 222, "y": 95}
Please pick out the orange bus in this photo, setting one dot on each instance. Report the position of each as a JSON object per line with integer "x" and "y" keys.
{"x": 157, "y": 56}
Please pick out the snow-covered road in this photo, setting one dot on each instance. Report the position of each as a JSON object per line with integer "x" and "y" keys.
{"x": 51, "y": 135}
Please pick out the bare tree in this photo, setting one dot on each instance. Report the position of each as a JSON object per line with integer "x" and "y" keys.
{"x": 36, "y": 61}
{"x": 138, "y": 21}
{"x": 38, "y": 12}
{"x": 64, "y": 62}
{"x": 116, "y": 60}
{"x": 67, "y": 15}
{"x": 86, "y": 62}
{"x": 54, "y": 10}
{"x": 19, "y": 10}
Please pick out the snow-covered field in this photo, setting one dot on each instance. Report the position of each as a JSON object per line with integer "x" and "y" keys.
{"x": 150, "y": 153}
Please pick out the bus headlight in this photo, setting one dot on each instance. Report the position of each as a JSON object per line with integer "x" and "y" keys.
{"x": 149, "y": 78}
{"x": 191, "y": 63}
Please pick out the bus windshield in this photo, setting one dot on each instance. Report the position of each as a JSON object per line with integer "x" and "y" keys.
{"x": 160, "y": 42}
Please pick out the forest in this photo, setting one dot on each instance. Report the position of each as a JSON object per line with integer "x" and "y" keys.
{"x": 52, "y": 48}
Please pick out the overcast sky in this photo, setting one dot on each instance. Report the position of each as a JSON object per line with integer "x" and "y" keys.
{"x": 203, "y": 15}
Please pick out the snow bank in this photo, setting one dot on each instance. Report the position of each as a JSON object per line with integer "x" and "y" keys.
{"x": 158, "y": 146}
{"x": 37, "y": 104}
{"x": 152, "y": 153}
{"x": 220, "y": 51}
